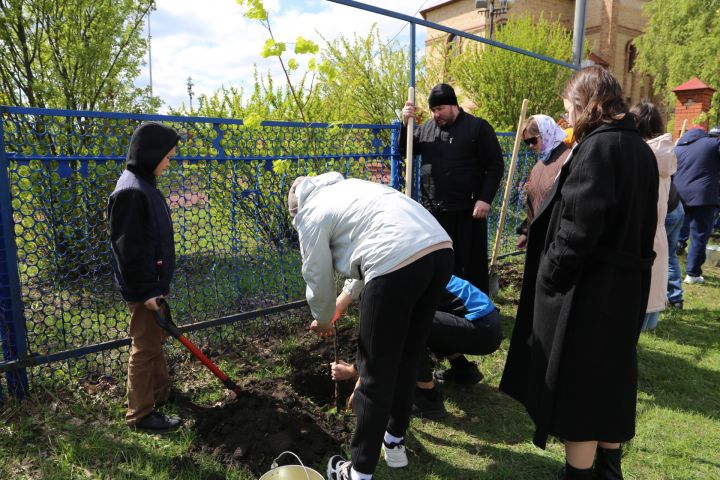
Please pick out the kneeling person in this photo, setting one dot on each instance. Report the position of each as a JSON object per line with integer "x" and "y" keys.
{"x": 466, "y": 323}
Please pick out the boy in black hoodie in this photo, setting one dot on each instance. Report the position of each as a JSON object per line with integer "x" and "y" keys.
{"x": 143, "y": 260}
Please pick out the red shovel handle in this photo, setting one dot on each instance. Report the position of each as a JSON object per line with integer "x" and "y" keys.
{"x": 165, "y": 321}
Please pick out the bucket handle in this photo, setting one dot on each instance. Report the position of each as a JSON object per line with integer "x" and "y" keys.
{"x": 274, "y": 464}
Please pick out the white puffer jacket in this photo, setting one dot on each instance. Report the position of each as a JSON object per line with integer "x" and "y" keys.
{"x": 664, "y": 150}
{"x": 359, "y": 229}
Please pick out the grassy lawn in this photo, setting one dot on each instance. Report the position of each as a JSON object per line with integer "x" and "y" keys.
{"x": 77, "y": 432}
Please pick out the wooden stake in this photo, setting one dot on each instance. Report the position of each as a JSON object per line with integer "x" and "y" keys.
{"x": 409, "y": 147}
{"x": 506, "y": 197}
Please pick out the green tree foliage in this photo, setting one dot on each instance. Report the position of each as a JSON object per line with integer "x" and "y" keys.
{"x": 681, "y": 41}
{"x": 369, "y": 79}
{"x": 74, "y": 54}
{"x": 497, "y": 80}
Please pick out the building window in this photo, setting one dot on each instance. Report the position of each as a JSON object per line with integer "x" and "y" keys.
{"x": 631, "y": 55}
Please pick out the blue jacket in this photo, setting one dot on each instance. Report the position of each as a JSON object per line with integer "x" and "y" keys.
{"x": 464, "y": 299}
{"x": 698, "y": 170}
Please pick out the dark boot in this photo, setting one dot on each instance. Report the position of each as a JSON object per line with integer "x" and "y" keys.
{"x": 156, "y": 422}
{"x": 607, "y": 464}
{"x": 568, "y": 472}
{"x": 461, "y": 372}
{"x": 428, "y": 403}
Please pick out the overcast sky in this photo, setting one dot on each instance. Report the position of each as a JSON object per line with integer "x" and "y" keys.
{"x": 211, "y": 41}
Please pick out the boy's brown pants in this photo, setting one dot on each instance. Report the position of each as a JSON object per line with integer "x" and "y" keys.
{"x": 147, "y": 381}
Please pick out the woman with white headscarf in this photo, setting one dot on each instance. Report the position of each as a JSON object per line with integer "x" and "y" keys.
{"x": 546, "y": 139}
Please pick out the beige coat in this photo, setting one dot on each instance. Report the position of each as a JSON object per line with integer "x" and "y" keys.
{"x": 663, "y": 148}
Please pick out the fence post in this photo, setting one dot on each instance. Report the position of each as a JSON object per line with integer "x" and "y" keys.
{"x": 396, "y": 167}
{"x": 12, "y": 325}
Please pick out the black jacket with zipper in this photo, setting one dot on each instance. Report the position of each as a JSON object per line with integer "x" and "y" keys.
{"x": 461, "y": 163}
{"x": 141, "y": 235}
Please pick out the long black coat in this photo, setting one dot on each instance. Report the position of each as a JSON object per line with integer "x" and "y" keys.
{"x": 572, "y": 360}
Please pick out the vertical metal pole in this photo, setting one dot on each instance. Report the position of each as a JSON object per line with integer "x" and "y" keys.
{"x": 579, "y": 32}
{"x": 150, "y": 53}
{"x": 412, "y": 55}
{"x": 12, "y": 325}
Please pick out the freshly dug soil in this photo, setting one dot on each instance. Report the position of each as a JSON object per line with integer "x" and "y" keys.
{"x": 270, "y": 416}
{"x": 311, "y": 367}
{"x": 510, "y": 274}
{"x": 267, "y": 418}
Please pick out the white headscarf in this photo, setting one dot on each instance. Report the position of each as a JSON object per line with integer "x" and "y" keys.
{"x": 551, "y": 135}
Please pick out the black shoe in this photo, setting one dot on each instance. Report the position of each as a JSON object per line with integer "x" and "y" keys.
{"x": 428, "y": 403}
{"x": 568, "y": 472}
{"x": 156, "y": 422}
{"x": 468, "y": 374}
{"x": 608, "y": 464}
{"x": 680, "y": 249}
{"x": 677, "y": 305}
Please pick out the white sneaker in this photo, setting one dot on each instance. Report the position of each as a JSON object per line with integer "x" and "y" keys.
{"x": 691, "y": 279}
{"x": 395, "y": 455}
{"x": 338, "y": 468}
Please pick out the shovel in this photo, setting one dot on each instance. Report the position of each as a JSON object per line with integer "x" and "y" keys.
{"x": 164, "y": 319}
{"x": 494, "y": 282}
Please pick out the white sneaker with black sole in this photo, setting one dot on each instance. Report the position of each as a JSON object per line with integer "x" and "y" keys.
{"x": 338, "y": 468}
{"x": 395, "y": 455}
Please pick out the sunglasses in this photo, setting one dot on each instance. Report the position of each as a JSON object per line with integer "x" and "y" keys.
{"x": 531, "y": 140}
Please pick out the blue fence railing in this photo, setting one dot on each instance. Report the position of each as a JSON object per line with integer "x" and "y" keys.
{"x": 238, "y": 267}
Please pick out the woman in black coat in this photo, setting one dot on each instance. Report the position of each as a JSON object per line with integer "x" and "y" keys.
{"x": 572, "y": 359}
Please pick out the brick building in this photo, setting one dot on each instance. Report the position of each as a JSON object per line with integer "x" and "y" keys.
{"x": 610, "y": 27}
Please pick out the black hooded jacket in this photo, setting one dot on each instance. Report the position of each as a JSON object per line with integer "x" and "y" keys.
{"x": 141, "y": 231}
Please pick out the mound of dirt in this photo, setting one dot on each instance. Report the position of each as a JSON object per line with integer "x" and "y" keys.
{"x": 270, "y": 416}
{"x": 267, "y": 418}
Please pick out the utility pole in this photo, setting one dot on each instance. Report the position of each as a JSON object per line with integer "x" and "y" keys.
{"x": 579, "y": 32}
{"x": 150, "y": 52}
{"x": 190, "y": 86}
{"x": 490, "y": 10}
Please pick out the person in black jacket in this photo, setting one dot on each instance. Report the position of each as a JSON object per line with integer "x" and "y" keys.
{"x": 462, "y": 166}
{"x": 572, "y": 360}
{"x": 143, "y": 260}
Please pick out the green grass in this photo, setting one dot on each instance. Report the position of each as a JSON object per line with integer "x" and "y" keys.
{"x": 70, "y": 433}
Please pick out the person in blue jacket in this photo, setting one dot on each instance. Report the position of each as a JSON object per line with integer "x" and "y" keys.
{"x": 696, "y": 180}
{"x": 466, "y": 322}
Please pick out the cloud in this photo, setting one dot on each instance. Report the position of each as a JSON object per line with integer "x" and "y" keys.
{"x": 214, "y": 44}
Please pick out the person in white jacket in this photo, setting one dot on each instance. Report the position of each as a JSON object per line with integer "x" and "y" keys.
{"x": 651, "y": 127}
{"x": 394, "y": 252}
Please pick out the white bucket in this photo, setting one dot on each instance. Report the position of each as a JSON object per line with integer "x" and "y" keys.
{"x": 712, "y": 255}
{"x": 291, "y": 472}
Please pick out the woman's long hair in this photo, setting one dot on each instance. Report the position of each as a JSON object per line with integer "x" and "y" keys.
{"x": 596, "y": 97}
{"x": 648, "y": 119}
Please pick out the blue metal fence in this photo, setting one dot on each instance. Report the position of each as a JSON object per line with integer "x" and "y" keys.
{"x": 238, "y": 265}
